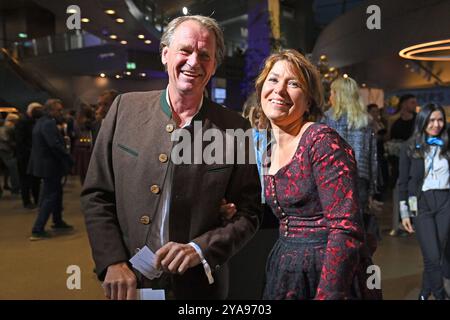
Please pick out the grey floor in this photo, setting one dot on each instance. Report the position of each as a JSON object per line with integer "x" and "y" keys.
{"x": 38, "y": 270}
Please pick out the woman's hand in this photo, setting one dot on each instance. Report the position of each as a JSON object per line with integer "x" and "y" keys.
{"x": 227, "y": 210}
{"x": 406, "y": 222}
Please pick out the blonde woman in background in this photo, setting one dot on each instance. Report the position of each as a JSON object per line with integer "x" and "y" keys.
{"x": 349, "y": 117}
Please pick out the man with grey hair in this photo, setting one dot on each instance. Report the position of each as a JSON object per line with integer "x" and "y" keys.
{"x": 135, "y": 196}
{"x": 49, "y": 160}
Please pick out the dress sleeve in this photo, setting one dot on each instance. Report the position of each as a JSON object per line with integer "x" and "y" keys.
{"x": 334, "y": 169}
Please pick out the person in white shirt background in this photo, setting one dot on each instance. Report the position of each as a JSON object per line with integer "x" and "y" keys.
{"x": 425, "y": 196}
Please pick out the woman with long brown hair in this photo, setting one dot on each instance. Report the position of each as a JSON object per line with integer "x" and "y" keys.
{"x": 311, "y": 186}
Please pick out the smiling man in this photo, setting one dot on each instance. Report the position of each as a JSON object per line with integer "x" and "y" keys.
{"x": 135, "y": 196}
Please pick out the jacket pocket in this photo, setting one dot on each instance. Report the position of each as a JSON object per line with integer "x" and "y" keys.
{"x": 128, "y": 150}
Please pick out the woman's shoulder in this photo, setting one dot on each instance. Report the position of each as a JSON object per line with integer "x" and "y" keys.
{"x": 324, "y": 140}
{"x": 320, "y": 131}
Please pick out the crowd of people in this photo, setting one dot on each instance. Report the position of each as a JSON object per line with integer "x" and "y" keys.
{"x": 321, "y": 173}
{"x": 41, "y": 147}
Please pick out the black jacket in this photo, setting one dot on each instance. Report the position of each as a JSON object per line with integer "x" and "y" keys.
{"x": 49, "y": 157}
{"x": 411, "y": 175}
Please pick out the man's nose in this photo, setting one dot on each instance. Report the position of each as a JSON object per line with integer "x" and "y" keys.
{"x": 193, "y": 59}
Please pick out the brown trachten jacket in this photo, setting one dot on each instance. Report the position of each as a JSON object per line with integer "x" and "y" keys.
{"x": 125, "y": 180}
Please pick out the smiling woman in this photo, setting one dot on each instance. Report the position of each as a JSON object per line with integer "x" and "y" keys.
{"x": 301, "y": 77}
{"x": 424, "y": 184}
{"x": 310, "y": 185}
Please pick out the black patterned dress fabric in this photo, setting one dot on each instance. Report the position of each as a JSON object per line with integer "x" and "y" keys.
{"x": 319, "y": 252}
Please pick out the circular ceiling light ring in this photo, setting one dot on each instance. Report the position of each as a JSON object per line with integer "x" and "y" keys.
{"x": 409, "y": 52}
{"x": 413, "y": 54}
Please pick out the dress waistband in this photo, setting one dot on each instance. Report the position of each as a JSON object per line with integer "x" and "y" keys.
{"x": 303, "y": 237}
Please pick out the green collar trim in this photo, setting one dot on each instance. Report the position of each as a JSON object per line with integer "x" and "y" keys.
{"x": 168, "y": 111}
{"x": 164, "y": 105}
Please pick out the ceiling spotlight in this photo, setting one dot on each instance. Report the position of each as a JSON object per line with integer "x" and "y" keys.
{"x": 148, "y": 41}
{"x": 123, "y": 42}
{"x": 143, "y": 74}
{"x": 120, "y": 20}
{"x": 102, "y": 75}
{"x": 118, "y": 76}
{"x": 185, "y": 11}
{"x": 141, "y": 36}
{"x": 113, "y": 36}
{"x": 363, "y": 85}
{"x": 85, "y": 20}
{"x": 110, "y": 11}
{"x": 345, "y": 76}
{"x": 128, "y": 73}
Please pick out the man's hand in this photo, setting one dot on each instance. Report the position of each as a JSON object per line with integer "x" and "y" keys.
{"x": 176, "y": 257}
{"x": 120, "y": 282}
{"x": 406, "y": 222}
{"x": 227, "y": 210}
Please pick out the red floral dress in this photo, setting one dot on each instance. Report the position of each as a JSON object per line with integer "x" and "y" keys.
{"x": 321, "y": 237}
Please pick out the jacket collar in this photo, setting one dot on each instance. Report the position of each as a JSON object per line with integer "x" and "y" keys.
{"x": 165, "y": 105}
{"x": 166, "y": 108}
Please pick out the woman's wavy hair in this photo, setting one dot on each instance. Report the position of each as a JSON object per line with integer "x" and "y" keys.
{"x": 348, "y": 101}
{"x": 417, "y": 145}
{"x": 308, "y": 76}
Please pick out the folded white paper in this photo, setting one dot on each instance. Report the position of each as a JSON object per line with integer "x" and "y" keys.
{"x": 150, "y": 294}
{"x": 144, "y": 262}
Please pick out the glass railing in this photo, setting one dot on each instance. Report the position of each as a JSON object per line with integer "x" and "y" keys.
{"x": 72, "y": 40}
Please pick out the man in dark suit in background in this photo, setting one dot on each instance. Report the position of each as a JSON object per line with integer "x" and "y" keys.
{"x": 50, "y": 160}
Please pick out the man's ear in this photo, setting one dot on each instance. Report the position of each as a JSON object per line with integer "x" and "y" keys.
{"x": 164, "y": 53}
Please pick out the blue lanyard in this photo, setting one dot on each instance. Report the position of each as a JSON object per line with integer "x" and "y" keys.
{"x": 430, "y": 167}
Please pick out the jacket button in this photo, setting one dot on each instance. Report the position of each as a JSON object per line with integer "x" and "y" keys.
{"x": 163, "y": 157}
{"x": 155, "y": 189}
{"x": 170, "y": 127}
{"x": 145, "y": 220}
